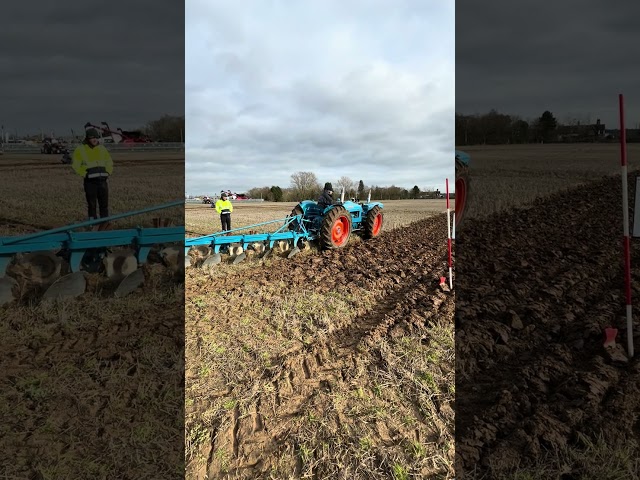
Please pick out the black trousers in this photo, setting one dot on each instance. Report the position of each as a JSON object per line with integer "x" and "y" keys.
{"x": 97, "y": 193}
{"x": 225, "y": 219}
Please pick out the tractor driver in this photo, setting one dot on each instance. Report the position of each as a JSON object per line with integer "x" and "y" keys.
{"x": 93, "y": 162}
{"x": 326, "y": 198}
{"x": 224, "y": 208}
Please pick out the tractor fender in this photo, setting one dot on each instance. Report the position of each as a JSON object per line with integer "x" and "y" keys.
{"x": 462, "y": 158}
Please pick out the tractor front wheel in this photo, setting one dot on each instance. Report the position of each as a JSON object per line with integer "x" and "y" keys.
{"x": 336, "y": 228}
{"x": 373, "y": 223}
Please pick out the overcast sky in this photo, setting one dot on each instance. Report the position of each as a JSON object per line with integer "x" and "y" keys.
{"x": 571, "y": 57}
{"x": 66, "y": 63}
{"x": 363, "y": 89}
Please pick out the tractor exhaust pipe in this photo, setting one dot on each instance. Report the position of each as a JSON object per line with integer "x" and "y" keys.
{"x": 369, "y": 197}
{"x": 342, "y": 196}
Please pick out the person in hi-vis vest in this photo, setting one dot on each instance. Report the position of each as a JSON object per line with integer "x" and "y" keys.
{"x": 93, "y": 163}
{"x": 224, "y": 208}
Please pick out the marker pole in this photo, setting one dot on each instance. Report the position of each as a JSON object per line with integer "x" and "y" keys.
{"x": 449, "y": 236}
{"x": 625, "y": 220}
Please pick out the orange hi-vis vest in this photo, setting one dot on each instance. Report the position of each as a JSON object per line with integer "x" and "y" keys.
{"x": 92, "y": 163}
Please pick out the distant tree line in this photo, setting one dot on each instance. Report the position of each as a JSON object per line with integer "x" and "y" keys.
{"x": 306, "y": 186}
{"x": 494, "y": 128}
{"x": 168, "y": 128}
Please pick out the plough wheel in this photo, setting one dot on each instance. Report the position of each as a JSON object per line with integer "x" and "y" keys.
{"x": 461, "y": 191}
{"x": 172, "y": 258}
{"x": 120, "y": 263}
{"x": 259, "y": 248}
{"x": 40, "y": 268}
{"x": 281, "y": 247}
{"x": 373, "y": 222}
{"x": 197, "y": 255}
{"x": 303, "y": 244}
{"x": 336, "y": 228}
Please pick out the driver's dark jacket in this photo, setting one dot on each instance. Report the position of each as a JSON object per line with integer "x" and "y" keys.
{"x": 325, "y": 200}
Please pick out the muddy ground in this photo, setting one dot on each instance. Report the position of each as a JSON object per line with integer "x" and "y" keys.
{"x": 328, "y": 365}
{"x": 92, "y": 388}
{"x": 537, "y": 394}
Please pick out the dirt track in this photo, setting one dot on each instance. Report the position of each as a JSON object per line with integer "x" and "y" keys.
{"x": 536, "y": 290}
{"x": 403, "y": 267}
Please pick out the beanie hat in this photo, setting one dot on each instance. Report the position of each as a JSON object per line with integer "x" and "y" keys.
{"x": 92, "y": 133}
{"x": 327, "y": 186}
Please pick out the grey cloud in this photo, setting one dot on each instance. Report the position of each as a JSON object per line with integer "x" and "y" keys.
{"x": 261, "y": 109}
{"x": 525, "y": 57}
{"x": 65, "y": 63}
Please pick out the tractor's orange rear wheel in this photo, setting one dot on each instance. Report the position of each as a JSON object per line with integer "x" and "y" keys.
{"x": 336, "y": 228}
{"x": 340, "y": 231}
{"x": 462, "y": 193}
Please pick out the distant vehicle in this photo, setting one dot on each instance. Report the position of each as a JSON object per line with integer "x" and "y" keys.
{"x": 53, "y": 146}
{"x": 119, "y": 135}
{"x": 66, "y": 157}
{"x": 235, "y": 196}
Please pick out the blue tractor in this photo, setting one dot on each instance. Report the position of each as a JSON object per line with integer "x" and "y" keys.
{"x": 332, "y": 226}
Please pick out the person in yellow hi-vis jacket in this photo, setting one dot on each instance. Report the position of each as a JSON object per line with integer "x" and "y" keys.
{"x": 224, "y": 208}
{"x": 93, "y": 162}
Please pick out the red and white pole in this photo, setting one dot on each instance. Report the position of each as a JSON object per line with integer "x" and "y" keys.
{"x": 449, "y": 236}
{"x": 625, "y": 220}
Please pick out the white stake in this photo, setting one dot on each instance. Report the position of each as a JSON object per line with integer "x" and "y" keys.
{"x": 453, "y": 235}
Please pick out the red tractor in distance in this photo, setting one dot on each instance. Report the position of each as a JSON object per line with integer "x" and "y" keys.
{"x": 119, "y": 135}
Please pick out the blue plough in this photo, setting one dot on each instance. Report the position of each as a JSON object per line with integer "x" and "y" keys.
{"x": 85, "y": 251}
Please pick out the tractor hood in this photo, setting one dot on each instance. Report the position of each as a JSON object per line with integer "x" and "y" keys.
{"x": 351, "y": 206}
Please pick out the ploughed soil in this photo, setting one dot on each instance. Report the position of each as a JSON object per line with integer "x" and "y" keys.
{"x": 93, "y": 387}
{"x": 356, "y": 375}
{"x": 536, "y": 289}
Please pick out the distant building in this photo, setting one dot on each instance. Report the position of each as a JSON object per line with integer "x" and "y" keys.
{"x": 632, "y": 134}
{"x": 582, "y": 133}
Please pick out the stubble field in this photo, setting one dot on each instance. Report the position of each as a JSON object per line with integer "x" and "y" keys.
{"x": 506, "y": 176}
{"x": 540, "y": 277}
{"x": 92, "y": 387}
{"x": 202, "y": 219}
{"x": 39, "y": 192}
{"x": 328, "y": 365}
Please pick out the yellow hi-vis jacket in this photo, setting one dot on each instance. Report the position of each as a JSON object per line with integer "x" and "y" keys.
{"x": 93, "y": 162}
{"x": 224, "y": 206}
